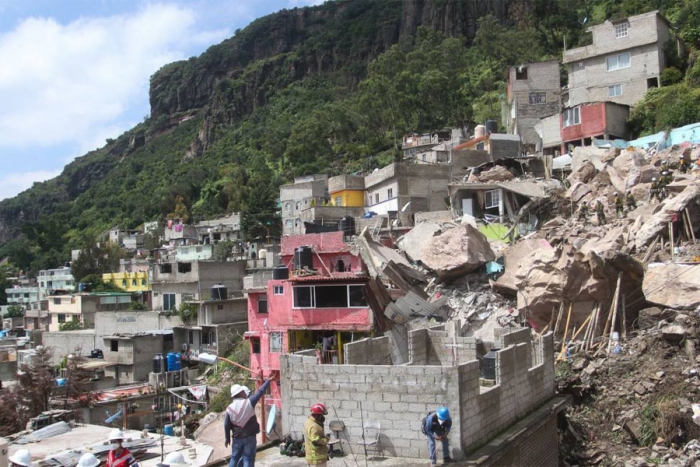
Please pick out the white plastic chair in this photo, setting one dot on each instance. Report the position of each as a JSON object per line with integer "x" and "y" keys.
{"x": 371, "y": 441}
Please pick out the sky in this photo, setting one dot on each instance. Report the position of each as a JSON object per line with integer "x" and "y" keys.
{"x": 75, "y": 72}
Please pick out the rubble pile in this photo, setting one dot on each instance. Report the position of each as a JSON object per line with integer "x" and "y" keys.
{"x": 634, "y": 407}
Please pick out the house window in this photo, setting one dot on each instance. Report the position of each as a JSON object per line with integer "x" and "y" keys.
{"x": 338, "y": 200}
{"x": 262, "y": 305}
{"x": 276, "y": 342}
{"x": 288, "y": 223}
{"x": 621, "y": 29}
{"x": 168, "y": 301}
{"x": 619, "y": 61}
{"x": 279, "y": 290}
{"x": 133, "y": 282}
{"x": 61, "y": 318}
{"x": 166, "y": 268}
{"x": 572, "y": 116}
{"x": 123, "y": 282}
{"x": 114, "y": 345}
{"x": 521, "y": 73}
{"x": 288, "y": 207}
{"x": 424, "y": 157}
{"x": 492, "y": 199}
{"x": 143, "y": 281}
{"x": 615, "y": 90}
{"x": 390, "y": 193}
{"x": 376, "y": 198}
{"x": 184, "y": 268}
{"x": 56, "y": 301}
{"x": 303, "y": 297}
{"x": 357, "y": 296}
{"x": 219, "y": 307}
{"x": 255, "y": 345}
{"x": 331, "y": 296}
{"x": 480, "y": 146}
{"x": 538, "y": 98}
{"x": 190, "y": 337}
{"x": 298, "y": 205}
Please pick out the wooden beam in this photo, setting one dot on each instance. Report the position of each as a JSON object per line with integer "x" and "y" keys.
{"x": 690, "y": 224}
{"x": 651, "y": 249}
{"x": 615, "y": 300}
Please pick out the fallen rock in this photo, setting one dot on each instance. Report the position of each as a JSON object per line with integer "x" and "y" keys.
{"x": 584, "y": 174}
{"x": 496, "y": 174}
{"x": 413, "y": 242}
{"x": 624, "y": 169}
{"x": 634, "y": 429}
{"x": 577, "y": 191}
{"x": 591, "y": 154}
{"x": 672, "y": 285}
{"x": 658, "y": 223}
{"x": 639, "y": 389}
{"x": 673, "y": 333}
{"x": 457, "y": 251}
{"x": 614, "y": 240}
{"x": 513, "y": 258}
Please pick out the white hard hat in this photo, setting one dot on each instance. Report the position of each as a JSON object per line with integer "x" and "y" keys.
{"x": 116, "y": 434}
{"x": 88, "y": 460}
{"x": 237, "y": 388}
{"x": 174, "y": 459}
{"x": 22, "y": 457}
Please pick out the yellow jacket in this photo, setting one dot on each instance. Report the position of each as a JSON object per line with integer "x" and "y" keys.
{"x": 315, "y": 442}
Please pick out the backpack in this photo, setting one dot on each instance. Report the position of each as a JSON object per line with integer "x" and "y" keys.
{"x": 423, "y": 420}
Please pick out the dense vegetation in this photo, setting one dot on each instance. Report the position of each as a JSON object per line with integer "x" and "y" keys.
{"x": 331, "y": 103}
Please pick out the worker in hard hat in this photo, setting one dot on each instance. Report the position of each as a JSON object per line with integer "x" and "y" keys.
{"x": 173, "y": 459}
{"x": 600, "y": 212}
{"x": 315, "y": 441}
{"x": 683, "y": 165}
{"x": 240, "y": 420}
{"x": 583, "y": 211}
{"x": 654, "y": 190}
{"x": 631, "y": 203}
{"x": 619, "y": 205}
{"x": 436, "y": 427}
{"x": 119, "y": 456}
{"x": 664, "y": 165}
{"x": 21, "y": 458}
{"x": 88, "y": 460}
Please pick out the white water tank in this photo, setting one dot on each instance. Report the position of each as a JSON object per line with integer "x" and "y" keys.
{"x": 262, "y": 253}
{"x": 479, "y": 131}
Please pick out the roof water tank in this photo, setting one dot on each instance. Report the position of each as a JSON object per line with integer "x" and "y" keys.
{"x": 491, "y": 126}
{"x": 158, "y": 363}
{"x": 488, "y": 368}
{"x": 303, "y": 258}
{"x": 280, "y": 273}
{"x": 262, "y": 253}
{"x": 219, "y": 292}
{"x": 479, "y": 131}
{"x": 347, "y": 226}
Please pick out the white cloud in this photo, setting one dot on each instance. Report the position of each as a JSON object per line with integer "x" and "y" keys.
{"x": 14, "y": 183}
{"x": 303, "y": 3}
{"x": 73, "y": 83}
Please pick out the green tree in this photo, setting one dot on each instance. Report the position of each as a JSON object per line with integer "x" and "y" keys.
{"x": 78, "y": 388}
{"x": 14, "y": 311}
{"x": 96, "y": 259}
{"x": 223, "y": 250}
{"x": 72, "y": 325}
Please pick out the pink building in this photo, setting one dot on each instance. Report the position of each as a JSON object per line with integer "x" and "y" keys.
{"x": 320, "y": 305}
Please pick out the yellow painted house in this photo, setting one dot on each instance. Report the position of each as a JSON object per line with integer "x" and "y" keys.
{"x": 347, "y": 190}
{"x": 130, "y": 281}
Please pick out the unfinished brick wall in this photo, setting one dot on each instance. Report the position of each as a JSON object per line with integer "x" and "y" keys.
{"x": 368, "y": 352}
{"x": 433, "y": 347}
{"x": 400, "y": 396}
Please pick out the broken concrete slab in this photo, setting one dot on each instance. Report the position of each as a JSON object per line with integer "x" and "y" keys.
{"x": 614, "y": 240}
{"x": 459, "y": 250}
{"x": 673, "y": 285}
{"x": 658, "y": 223}
{"x": 413, "y": 242}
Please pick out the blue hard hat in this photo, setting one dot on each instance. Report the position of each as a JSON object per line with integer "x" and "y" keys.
{"x": 443, "y": 413}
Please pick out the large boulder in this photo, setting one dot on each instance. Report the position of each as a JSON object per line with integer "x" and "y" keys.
{"x": 513, "y": 258}
{"x": 596, "y": 156}
{"x": 496, "y": 174}
{"x": 413, "y": 242}
{"x": 577, "y": 191}
{"x": 457, "y": 251}
{"x": 658, "y": 223}
{"x": 673, "y": 285}
{"x": 624, "y": 170}
{"x": 583, "y": 173}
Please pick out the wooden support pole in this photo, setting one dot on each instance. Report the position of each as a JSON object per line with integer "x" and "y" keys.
{"x": 690, "y": 224}
{"x": 553, "y": 317}
{"x": 544, "y": 330}
{"x": 670, "y": 236}
{"x": 651, "y": 249}
{"x": 566, "y": 330}
{"x": 614, "y": 311}
{"x": 589, "y": 329}
{"x": 556, "y": 325}
{"x": 624, "y": 319}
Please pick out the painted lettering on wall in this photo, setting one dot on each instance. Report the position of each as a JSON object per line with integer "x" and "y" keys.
{"x": 126, "y": 319}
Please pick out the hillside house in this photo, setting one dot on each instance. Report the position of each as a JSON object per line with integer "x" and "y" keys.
{"x": 625, "y": 59}
{"x": 320, "y": 305}
{"x": 422, "y": 147}
{"x": 306, "y": 192}
{"x": 51, "y": 280}
{"x": 83, "y": 306}
{"x": 582, "y": 124}
{"x": 213, "y": 231}
{"x": 22, "y": 296}
{"x": 533, "y": 93}
{"x": 131, "y": 354}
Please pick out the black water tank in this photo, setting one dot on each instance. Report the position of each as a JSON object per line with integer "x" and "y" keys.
{"x": 491, "y": 126}
{"x": 303, "y": 258}
{"x": 488, "y": 368}
{"x": 219, "y": 292}
{"x": 280, "y": 273}
{"x": 347, "y": 226}
{"x": 158, "y": 363}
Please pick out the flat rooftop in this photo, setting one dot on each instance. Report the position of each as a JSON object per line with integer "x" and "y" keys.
{"x": 93, "y": 438}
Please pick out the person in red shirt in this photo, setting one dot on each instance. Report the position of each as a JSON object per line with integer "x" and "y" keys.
{"x": 119, "y": 456}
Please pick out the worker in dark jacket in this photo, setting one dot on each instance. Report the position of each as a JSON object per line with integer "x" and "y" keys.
{"x": 241, "y": 420}
{"x": 437, "y": 427}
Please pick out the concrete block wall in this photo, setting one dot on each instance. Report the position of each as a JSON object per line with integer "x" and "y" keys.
{"x": 434, "y": 347}
{"x": 520, "y": 388}
{"x": 368, "y": 351}
{"x": 65, "y": 343}
{"x": 400, "y": 396}
{"x": 396, "y": 396}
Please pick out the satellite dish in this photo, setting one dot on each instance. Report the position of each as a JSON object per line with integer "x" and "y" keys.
{"x": 271, "y": 417}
